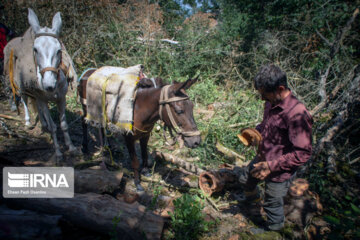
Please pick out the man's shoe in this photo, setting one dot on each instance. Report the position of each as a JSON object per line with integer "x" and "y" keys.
{"x": 255, "y": 230}
{"x": 272, "y": 227}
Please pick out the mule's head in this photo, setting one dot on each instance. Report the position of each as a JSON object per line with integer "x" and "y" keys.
{"x": 47, "y": 51}
{"x": 182, "y": 112}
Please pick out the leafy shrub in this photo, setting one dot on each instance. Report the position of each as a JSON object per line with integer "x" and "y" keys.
{"x": 187, "y": 221}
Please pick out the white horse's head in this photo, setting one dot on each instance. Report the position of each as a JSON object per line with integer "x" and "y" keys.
{"x": 47, "y": 51}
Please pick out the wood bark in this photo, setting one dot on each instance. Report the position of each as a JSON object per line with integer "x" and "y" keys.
{"x": 178, "y": 161}
{"x": 214, "y": 181}
{"x": 97, "y": 181}
{"x": 99, "y": 213}
{"x": 24, "y": 224}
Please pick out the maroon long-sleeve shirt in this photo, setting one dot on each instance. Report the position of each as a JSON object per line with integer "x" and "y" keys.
{"x": 286, "y": 133}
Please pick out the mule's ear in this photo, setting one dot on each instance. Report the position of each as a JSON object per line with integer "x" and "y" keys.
{"x": 159, "y": 82}
{"x": 56, "y": 23}
{"x": 189, "y": 82}
{"x": 33, "y": 20}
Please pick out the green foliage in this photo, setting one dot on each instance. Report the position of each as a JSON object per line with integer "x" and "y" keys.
{"x": 187, "y": 221}
{"x": 346, "y": 224}
{"x": 154, "y": 200}
{"x": 115, "y": 221}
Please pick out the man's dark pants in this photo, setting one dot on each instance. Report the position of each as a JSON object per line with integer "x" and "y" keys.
{"x": 274, "y": 195}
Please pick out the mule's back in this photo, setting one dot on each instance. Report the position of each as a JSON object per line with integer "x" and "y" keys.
{"x": 23, "y": 56}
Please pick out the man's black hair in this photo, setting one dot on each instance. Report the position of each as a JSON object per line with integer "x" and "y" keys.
{"x": 269, "y": 78}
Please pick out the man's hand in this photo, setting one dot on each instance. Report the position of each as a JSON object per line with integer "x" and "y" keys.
{"x": 261, "y": 170}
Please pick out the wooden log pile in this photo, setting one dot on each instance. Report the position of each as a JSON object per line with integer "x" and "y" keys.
{"x": 99, "y": 212}
{"x": 88, "y": 209}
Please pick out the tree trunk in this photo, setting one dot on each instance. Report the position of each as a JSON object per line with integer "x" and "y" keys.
{"x": 23, "y": 224}
{"x": 100, "y": 213}
{"x": 97, "y": 181}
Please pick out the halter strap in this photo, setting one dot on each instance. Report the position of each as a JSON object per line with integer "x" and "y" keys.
{"x": 52, "y": 69}
{"x": 46, "y": 35}
{"x": 164, "y": 100}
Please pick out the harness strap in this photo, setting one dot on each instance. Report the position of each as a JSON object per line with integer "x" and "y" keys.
{"x": 173, "y": 99}
{"x": 52, "y": 69}
{"x": 46, "y": 35}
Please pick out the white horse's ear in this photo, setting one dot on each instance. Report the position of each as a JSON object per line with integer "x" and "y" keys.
{"x": 56, "y": 23}
{"x": 33, "y": 21}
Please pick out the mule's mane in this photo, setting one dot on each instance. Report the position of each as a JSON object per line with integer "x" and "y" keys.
{"x": 149, "y": 83}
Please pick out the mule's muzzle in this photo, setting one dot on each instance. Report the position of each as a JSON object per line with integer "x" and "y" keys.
{"x": 50, "y": 89}
{"x": 192, "y": 141}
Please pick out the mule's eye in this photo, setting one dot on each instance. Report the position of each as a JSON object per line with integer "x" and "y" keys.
{"x": 59, "y": 52}
{"x": 35, "y": 50}
{"x": 179, "y": 111}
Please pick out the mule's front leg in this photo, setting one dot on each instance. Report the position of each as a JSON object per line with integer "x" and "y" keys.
{"x": 144, "y": 155}
{"x": 64, "y": 126}
{"x": 50, "y": 126}
{"x": 24, "y": 99}
{"x": 130, "y": 143}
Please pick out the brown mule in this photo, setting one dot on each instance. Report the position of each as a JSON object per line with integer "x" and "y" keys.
{"x": 168, "y": 103}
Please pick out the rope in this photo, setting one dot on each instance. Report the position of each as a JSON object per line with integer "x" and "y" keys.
{"x": 14, "y": 87}
{"x": 111, "y": 157}
{"x": 103, "y": 104}
{"x": 138, "y": 129}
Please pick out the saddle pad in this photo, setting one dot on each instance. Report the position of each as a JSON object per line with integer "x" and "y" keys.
{"x": 110, "y": 94}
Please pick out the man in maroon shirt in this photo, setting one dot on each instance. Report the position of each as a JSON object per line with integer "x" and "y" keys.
{"x": 285, "y": 145}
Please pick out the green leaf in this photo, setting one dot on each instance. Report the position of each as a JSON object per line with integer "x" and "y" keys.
{"x": 332, "y": 220}
{"x": 355, "y": 208}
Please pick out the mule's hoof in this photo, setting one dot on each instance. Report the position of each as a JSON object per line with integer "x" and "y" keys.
{"x": 75, "y": 152}
{"x": 28, "y": 126}
{"x": 59, "y": 159}
{"x": 13, "y": 108}
{"x": 139, "y": 188}
{"x": 103, "y": 166}
{"x": 146, "y": 172}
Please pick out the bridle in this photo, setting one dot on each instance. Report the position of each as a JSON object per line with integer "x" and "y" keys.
{"x": 46, "y": 69}
{"x": 165, "y": 100}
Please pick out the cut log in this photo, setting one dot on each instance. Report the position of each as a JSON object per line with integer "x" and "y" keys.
{"x": 100, "y": 213}
{"x": 214, "y": 181}
{"x": 178, "y": 161}
{"x": 24, "y": 224}
{"x": 97, "y": 181}
{"x": 10, "y": 117}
